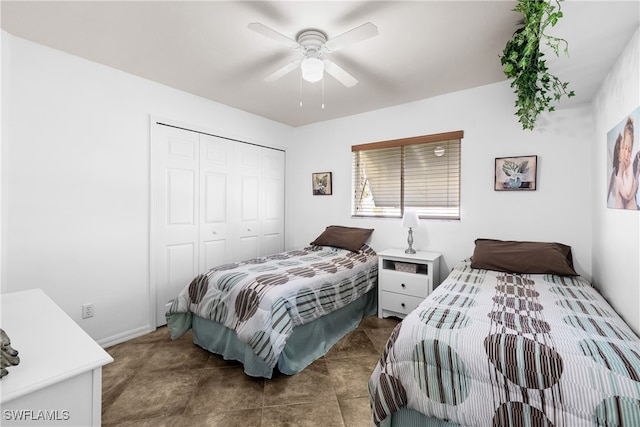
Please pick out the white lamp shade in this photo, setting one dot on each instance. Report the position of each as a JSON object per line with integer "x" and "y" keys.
{"x": 312, "y": 69}
{"x": 410, "y": 219}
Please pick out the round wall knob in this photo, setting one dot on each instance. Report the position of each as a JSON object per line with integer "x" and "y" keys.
{"x": 403, "y": 285}
{"x": 402, "y": 305}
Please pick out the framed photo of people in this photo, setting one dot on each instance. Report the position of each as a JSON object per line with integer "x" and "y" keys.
{"x": 623, "y": 164}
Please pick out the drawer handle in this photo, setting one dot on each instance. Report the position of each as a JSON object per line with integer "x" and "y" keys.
{"x": 402, "y": 304}
{"x": 403, "y": 285}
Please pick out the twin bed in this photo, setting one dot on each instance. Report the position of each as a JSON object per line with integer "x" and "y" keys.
{"x": 512, "y": 337}
{"x": 285, "y": 310}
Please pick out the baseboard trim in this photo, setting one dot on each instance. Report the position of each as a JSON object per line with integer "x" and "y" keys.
{"x": 125, "y": 336}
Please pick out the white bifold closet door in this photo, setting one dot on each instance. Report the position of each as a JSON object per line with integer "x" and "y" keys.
{"x": 213, "y": 201}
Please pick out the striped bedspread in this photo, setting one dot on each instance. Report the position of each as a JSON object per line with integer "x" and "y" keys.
{"x": 264, "y": 298}
{"x": 497, "y": 349}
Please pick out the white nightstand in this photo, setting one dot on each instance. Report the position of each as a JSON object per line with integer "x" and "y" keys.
{"x": 405, "y": 280}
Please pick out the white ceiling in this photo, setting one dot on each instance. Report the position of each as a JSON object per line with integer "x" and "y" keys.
{"x": 424, "y": 48}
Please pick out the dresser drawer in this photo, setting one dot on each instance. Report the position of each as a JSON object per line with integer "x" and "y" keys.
{"x": 404, "y": 283}
{"x": 398, "y": 303}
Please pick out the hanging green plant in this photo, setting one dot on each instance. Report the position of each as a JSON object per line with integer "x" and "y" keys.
{"x": 525, "y": 63}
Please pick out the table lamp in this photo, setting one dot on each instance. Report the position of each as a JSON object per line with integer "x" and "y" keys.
{"x": 410, "y": 219}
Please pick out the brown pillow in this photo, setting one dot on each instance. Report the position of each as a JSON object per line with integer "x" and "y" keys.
{"x": 523, "y": 257}
{"x": 350, "y": 238}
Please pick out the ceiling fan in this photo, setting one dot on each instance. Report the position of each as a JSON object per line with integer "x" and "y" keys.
{"x": 313, "y": 45}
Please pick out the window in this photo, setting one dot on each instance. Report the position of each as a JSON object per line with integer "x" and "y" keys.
{"x": 420, "y": 173}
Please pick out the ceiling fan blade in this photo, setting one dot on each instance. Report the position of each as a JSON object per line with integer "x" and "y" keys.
{"x": 339, "y": 73}
{"x": 273, "y": 34}
{"x": 284, "y": 70}
{"x": 356, "y": 35}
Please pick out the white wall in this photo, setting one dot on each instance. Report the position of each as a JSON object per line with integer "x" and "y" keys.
{"x": 4, "y": 83}
{"x": 616, "y": 233}
{"x": 558, "y": 211}
{"x": 75, "y": 180}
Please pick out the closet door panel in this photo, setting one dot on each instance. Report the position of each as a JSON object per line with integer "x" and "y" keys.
{"x": 247, "y": 248}
{"x": 272, "y": 217}
{"x": 247, "y": 202}
{"x": 248, "y": 226}
{"x": 249, "y": 186}
{"x": 272, "y": 164}
{"x": 180, "y": 188}
{"x": 180, "y": 267}
{"x": 271, "y": 243}
{"x": 214, "y": 231}
{"x": 214, "y": 203}
{"x": 213, "y": 253}
{"x": 272, "y": 201}
{"x": 175, "y": 193}
{"x": 216, "y": 155}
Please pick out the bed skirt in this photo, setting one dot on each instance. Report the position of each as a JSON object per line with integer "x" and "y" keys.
{"x": 307, "y": 342}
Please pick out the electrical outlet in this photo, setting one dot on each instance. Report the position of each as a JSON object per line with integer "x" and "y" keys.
{"x": 87, "y": 310}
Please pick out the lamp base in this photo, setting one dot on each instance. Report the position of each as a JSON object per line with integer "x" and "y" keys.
{"x": 410, "y": 249}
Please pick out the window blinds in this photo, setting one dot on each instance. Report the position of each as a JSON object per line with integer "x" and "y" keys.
{"x": 421, "y": 174}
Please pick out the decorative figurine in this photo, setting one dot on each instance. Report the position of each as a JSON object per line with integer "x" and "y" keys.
{"x": 9, "y": 354}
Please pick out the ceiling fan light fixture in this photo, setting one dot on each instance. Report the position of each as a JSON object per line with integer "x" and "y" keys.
{"x": 312, "y": 69}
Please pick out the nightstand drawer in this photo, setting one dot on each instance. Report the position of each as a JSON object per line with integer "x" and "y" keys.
{"x": 398, "y": 303}
{"x": 404, "y": 283}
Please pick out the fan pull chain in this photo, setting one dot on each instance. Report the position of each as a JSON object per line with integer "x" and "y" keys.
{"x": 301, "y": 103}
{"x": 300, "y": 90}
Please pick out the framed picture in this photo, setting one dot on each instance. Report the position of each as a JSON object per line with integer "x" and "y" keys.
{"x": 516, "y": 173}
{"x": 623, "y": 163}
{"x": 321, "y": 183}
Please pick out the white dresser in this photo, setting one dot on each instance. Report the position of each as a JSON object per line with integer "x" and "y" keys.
{"x": 405, "y": 280}
{"x": 59, "y": 379}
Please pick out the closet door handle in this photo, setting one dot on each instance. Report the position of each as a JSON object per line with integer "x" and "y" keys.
{"x": 402, "y": 305}
{"x": 403, "y": 285}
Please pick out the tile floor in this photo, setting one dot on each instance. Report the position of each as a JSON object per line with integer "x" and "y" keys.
{"x": 154, "y": 381}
